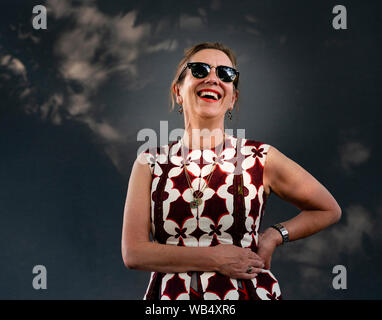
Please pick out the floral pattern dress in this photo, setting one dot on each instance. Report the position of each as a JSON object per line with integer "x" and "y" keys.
{"x": 231, "y": 211}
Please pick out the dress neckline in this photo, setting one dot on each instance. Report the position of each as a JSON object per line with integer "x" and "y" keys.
{"x": 224, "y": 143}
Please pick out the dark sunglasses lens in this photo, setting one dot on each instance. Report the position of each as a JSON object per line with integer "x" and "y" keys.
{"x": 226, "y": 74}
{"x": 199, "y": 70}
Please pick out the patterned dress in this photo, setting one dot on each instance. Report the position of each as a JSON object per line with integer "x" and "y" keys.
{"x": 230, "y": 213}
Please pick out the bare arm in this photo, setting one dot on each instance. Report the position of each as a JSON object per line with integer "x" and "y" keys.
{"x": 140, "y": 253}
{"x": 292, "y": 183}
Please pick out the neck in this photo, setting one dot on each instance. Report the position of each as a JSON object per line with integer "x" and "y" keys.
{"x": 203, "y": 138}
{"x": 202, "y": 132}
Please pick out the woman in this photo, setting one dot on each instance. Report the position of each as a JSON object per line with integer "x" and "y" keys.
{"x": 203, "y": 197}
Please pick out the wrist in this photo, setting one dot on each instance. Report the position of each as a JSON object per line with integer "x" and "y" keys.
{"x": 274, "y": 236}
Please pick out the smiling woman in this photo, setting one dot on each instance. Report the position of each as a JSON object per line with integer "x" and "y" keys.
{"x": 203, "y": 197}
{"x": 225, "y": 72}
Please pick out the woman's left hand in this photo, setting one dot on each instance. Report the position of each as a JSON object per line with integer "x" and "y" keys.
{"x": 268, "y": 241}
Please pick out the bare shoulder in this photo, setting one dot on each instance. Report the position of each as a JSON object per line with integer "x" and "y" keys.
{"x": 139, "y": 182}
{"x": 280, "y": 170}
{"x": 293, "y": 183}
{"x": 136, "y": 221}
{"x": 142, "y": 168}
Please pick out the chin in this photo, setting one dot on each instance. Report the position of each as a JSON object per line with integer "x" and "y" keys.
{"x": 210, "y": 115}
{"x": 210, "y": 111}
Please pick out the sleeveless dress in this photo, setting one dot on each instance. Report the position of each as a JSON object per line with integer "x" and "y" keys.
{"x": 231, "y": 211}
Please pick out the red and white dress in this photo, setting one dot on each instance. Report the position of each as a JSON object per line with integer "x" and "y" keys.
{"x": 230, "y": 213}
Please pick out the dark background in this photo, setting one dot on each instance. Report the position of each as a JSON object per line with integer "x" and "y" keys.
{"x": 74, "y": 97}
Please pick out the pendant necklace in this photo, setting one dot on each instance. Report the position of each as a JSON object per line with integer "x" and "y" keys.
{"x": 197, "y": 194}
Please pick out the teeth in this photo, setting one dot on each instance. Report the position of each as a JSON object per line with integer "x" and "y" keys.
{"x": 209, "y": 93}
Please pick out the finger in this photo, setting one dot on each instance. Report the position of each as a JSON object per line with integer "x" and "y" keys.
{"x": 268, "y": 264}
{"x": 253, "y": 255}
{"x": 254, "y": 270}
{"x": 246, "y": 276}
{"x": 256, "y": 263}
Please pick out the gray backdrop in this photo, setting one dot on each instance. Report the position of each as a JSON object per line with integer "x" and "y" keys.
{"x": 74, "y": 96}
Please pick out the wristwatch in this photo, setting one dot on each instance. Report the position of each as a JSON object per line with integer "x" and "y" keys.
{"x": 284, "y": 232}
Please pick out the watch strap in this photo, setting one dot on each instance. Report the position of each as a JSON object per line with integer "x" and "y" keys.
{"x": 284, "y": 232}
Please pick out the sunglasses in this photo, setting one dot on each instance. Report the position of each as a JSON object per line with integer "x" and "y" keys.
{"x": 201, "y": 70}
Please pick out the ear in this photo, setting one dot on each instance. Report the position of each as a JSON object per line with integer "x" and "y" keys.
{"x": 175, "y": 89}
{"x": 179, "y": 99}
{"x": 235, "y": 96}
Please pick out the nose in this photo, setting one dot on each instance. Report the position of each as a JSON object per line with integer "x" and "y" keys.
{"x": 212, "y": 77}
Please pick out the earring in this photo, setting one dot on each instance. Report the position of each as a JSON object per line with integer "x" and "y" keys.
{"x": 180, "y": 109}
{"x": 229, "y": 115}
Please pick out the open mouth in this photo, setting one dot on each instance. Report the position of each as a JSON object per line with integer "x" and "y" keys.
{"x": 209, "y": 95}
